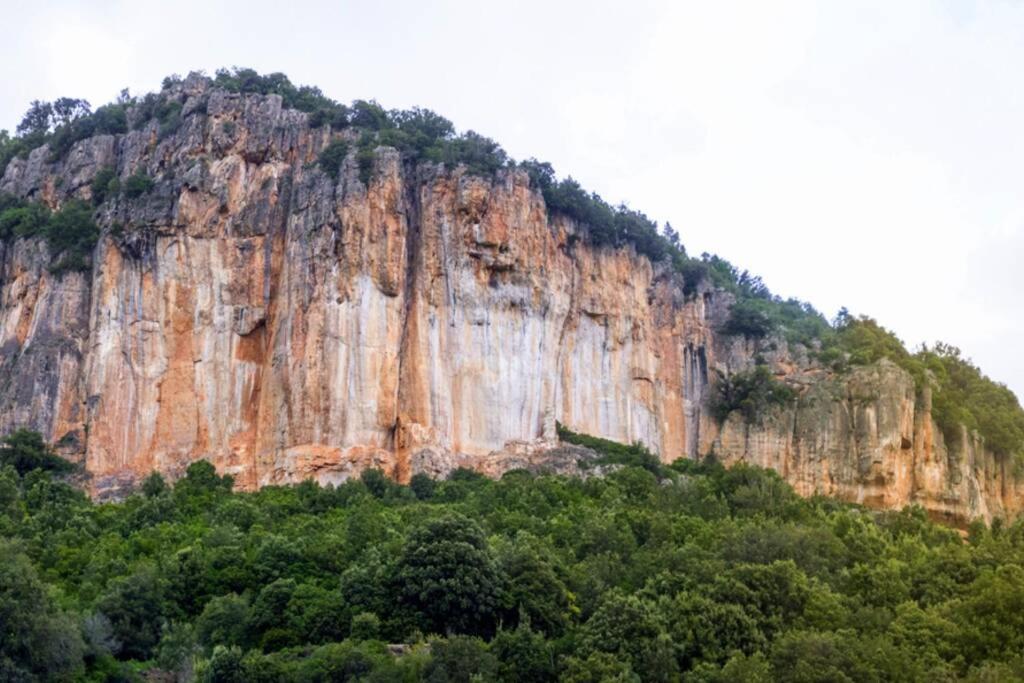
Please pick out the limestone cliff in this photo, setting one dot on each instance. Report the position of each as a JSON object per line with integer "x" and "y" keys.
{"x": 252, "y": 311}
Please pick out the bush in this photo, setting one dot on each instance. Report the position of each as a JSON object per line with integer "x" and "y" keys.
{"x": 138, "y": 184}
{"x": 481, "y": 156}
{"x": 19, "y": 218}
{"x": 169, "y": 116}
{"x": 748, "y": 318}
{"x": 332, "y": 157}
{"x": 365, "y": 158}
{"x": 368, "y": 115}
{"x": 365, "y": 626}
{"x": 613, "y": 452}
{"x": 9, "y": 148}
{"x": 110, "y": 119}
{"x": 72, "y": 233}
{"x": 135, "y": 605}
{"x": 104, "y": 185}
{"x": 321, "y": 109}
{"x": 713, "y": 574}
{"x": 753, "y": 393}
{"x": 964, "y": 396}
{"x": 25, "y": 450}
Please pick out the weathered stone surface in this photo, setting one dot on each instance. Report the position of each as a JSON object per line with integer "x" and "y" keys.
{"x": 251, "y": 311}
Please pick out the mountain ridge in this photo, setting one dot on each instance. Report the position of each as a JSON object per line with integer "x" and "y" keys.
{"x": 563, "y": 308}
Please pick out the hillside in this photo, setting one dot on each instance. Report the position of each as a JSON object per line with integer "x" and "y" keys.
{"x": 691, "y": 572}
{"x": 244, "y": 271}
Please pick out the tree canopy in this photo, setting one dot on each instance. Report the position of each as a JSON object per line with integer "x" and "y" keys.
{"x": 681, "y": 572}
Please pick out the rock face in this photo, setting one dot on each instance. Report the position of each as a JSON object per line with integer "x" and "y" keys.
{"x": 252, "y": 311}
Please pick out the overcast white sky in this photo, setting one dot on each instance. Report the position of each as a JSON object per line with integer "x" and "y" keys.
{"x": 866, "y": 154}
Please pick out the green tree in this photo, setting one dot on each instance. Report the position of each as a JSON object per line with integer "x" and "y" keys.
{"x": 333, "y": 156}
{"x": 752, "y": 392}
{"x": 535, "y": 588}
{"x": 137, "y": 185}
{"x": 365, "y": 626}
{"x": 136, "y": 607}
{"x": 224, "y": 621}
{"x": 153, "y": 485}
{"x": 461, "y": 659}
{"x": 447, "y": 576}
{"x": 523, "y": 655}
{"x": 598, "y": 667}
{"x": 707, "y": 631}
{"x": 105, "y": 184}
{"x": 630, "y": 628}
{"x": 37, "y": 120}
{"x": 991, "y": 617}
{"x": 39, "y": 642}
{"x": 25, "y": 450}
{"x": 225, "y": 666}
{"x": 72, "y": 233}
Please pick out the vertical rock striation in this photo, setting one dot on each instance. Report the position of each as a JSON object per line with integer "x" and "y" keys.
{"x": 252, "y": 311}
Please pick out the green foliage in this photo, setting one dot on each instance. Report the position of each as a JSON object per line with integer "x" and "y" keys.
{"x": 752, "y": 392}
{"x": 965, "y": 396}
{"x": 365, "y": 626}
{"x": 422, "y": 486}
{"x": 71, "y": 232}
{"x": 136, "y": 607}
{"x": 419, "y": 134}
{"x": 168, "y": 114}
{"x": 701, "y": 573}
{"x": 61, "y": 124}
{"x": 332, "y": 157}
{"x": 137, "y": 185}
{"x": 322, "y": 109}
{"x": 447, "y": 575}
{"x": 153, "y": 485}
{"x": 224, "y": 621}
{"x": 523, "y": 655}
{"x": 366, "y": 156}
{"x": 19, "y": 218}
{"x": 750, "y": 318}
{"x": 461, "y": 658}
{"x": 368, "y": 115}
{"x": 613, "y": 452}
{"x": 25, "y": 450}
{"x": 10, "y": 147}
{"x": 40, "y": 642}
{"x": 105, "y": 185}
{"x": 962, "y": 396}
{"x": 689, "y": 572}
{"x": 481, "y": 156}
{"x": 110, "y": 119}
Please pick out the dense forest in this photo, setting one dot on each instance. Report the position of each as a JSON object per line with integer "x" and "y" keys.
{"x": 638, "y": 572}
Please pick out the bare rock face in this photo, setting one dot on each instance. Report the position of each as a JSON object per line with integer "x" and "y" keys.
{"x": 251, "y": 311}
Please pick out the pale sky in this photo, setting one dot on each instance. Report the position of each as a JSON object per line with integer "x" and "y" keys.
{"x": 860, "y": 154}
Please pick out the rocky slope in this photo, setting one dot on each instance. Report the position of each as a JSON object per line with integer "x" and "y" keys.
{"x": 252, "y": 311}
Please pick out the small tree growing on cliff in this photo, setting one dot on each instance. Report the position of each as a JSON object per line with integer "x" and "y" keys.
{"x": 333, "y": 157}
